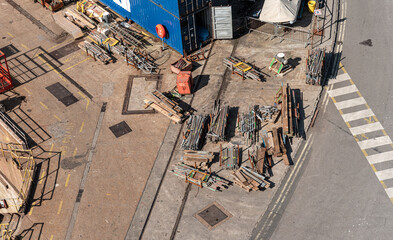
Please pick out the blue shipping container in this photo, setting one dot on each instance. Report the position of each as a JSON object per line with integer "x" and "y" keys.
{"x": 181, "y": 32}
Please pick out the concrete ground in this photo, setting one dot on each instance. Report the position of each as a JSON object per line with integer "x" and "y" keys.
{"x": 73, "y": 145}
{"x": 173, "y": 211}
{"x": 64, "y": 135}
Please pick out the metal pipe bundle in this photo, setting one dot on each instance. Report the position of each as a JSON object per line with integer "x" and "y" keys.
{"x": 127, "y": 36}
{"x": 140, "y": 60}
{"x": 95, "y": 51}
{"x": 195, "y": 133}
{"x": 218, "y": 122}
{"x": 314, "y": 66}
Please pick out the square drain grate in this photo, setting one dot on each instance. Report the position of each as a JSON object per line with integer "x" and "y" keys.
{"x": 213, "y": 215}
{"x": 120, "y": 129}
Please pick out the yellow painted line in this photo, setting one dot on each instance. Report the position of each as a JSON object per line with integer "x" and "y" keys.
{"x": 359, "y": 94}
{"x": 372, "y": 166}
{"x": 51, "y": 147}
{"x": 340, "y": 111}
{"x": 383, "y": 184}
{"x": 75, "y": 151}
{"x": 31, "y": 211}
{"x": 348, "y": 125}
{"x": 108, "y": 194}
{"x": 67, "y": 180}
{"x": 42, "y": 104}
{"x": 82, "y": 125}
{"x": 27, "y": 90}
{"x": 366, "y": 154}
{"x": 364, "y": 136}
{"x": 375, "y": 118}
{"x": 51, "y": 237}
{"x": 54, "y": 115}
{"x": 87, "y": 99}
{"x": 10, "y": 34}
{"x": 76, "y": 64}
{"x": 24, "y": 46}
{"x": 60, "y": 205}
{"x": 341, "y": 66}
{"x": 333, "y": 99}
{"x": 384, "y": 132}
{"x": 351, "y": 82}
{"x": 42, "y": 177}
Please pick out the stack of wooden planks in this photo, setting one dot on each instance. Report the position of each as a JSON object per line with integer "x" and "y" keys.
{"x": 275, "y": 145}
{"x": 198, "y": 159}
{"x": 78, "y": 19}
{"x": 164, "y": 105}
{"x": 290, "y": 112}
{"x": 249, "y": 180}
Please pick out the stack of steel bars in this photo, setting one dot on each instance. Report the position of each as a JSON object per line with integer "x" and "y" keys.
{"x": 127, "y": 36}
{"x": 140, "y": 60}
{"x": 314, "y": 66}
{"x": 242, "y": 69}
{"x": 195, "y": 133}
{"x": 230, "y": 157}
{"x": 218, "y": 122}
{"x": 99, "y": 39}
{"x": 95, "y": 51}
{"x": 248, "y": 125}
{"x": 199, "y": 178}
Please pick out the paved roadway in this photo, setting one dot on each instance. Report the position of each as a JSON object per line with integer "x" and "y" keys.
{"x": 344, "y": 186}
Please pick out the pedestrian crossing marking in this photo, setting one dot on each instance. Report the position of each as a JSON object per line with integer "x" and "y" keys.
{"x": 359, "y": 132}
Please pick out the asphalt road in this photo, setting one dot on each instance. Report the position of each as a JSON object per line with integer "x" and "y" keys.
{"x": 336, "y": 194}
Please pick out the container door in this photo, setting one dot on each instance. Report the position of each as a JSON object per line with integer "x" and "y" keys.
{"x": 222, "y": 22}
{"x": 189, "y": 33}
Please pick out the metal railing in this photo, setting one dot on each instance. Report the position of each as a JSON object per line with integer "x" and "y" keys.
{"x": 280, "y": 31}
{"x": 7, "y": 120}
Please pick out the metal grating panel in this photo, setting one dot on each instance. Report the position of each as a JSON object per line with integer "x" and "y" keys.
{"x": 120, "y": 129}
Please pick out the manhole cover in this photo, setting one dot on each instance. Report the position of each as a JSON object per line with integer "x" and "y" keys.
{"x": 213, "y": 215}
{"x": 120, "y": 129}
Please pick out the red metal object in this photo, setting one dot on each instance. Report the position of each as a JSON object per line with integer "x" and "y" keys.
{"x": 184, "y": 82}
{"x": 160, "y": 30}
{"x": 5, "y": 76}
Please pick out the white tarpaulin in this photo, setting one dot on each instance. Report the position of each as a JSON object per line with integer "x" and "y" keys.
{"x": 280, "y": 11}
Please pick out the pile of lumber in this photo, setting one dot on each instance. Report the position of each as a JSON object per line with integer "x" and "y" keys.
{"x": 249, "y": 180}
{"x": 198, "y": 159}
{"x": 200, "y": 178}
{"x": 314, "y": 65}
{"x": 274, "y": 144}
{"x": 245, "y": 70}
{"x": 95, "y": 51}
{"x": 194, "y": 133}
{"x": 218, "y": 122}
{"x": 230, "y": 157}
{"x": 164, "y": 105}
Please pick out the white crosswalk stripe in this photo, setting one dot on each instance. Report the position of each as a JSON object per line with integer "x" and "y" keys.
{"x": 384, "y": 174}
{"x": 375, "y": 142}
{"x": 340, "y": 78}
{"x": 342, "y": 91}
{"x": 380, "y": 157}
{"x": 389, "y": 191}
{"x": 372, "y": 127}
{"x": 364, "y": 115}
{"x": 350, "y": 103}
{"x": 357, "y": 115}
